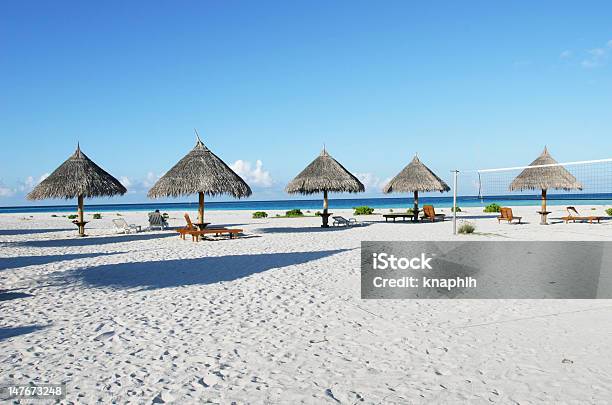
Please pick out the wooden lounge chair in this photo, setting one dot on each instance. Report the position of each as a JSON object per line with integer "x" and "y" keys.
{"x": 188, "y": 229}
{"x": 195, "y": 235}
{"x": 398, "y": 215}
{"x": 505, "y": 214}
{"x": 429, "y": 214}
{"x": 339, "y": 220}
{"x": 577, "y": 217}
{"x": 122, "y": 226}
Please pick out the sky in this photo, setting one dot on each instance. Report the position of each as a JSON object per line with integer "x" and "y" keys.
{"x": 466, "y": 85}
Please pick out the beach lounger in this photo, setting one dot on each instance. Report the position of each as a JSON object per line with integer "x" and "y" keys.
{"x": 506, "y": 215}
{"x": 429, "y": 214}
{"x": 339, "y": 220}
{"x": 394, "y": 216}
{"x": 156, "y": 220}
{"x": 573, "y": 215}
{"x": 195, "y": 235}
{"x": 188, "y": 229}
{"x": 123, "y": 227}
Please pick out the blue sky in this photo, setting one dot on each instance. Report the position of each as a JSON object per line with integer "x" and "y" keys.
{"x": 470, "y": 85}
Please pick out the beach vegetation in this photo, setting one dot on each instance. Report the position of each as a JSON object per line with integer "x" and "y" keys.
{"x": 410, "y": 211}
{"x": 466, "y": 228}
{"x": 492, "y": 208}
{"x": 72, "y": 216}
{"x": 609, "y": 211}
{"x": 318, "y": 214}
{"x": 97, "y": 216}
{"x": 260, "y": 214}
{"x": 296, "y": 212}
{"x": 390, "y": 209}
{"x": 165, "y": 215}
{"x": 455, "y": 209}
{"x": 363, "y": 210}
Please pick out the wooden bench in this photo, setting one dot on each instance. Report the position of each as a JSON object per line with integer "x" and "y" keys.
{"x": 195, "y": 235}
{"x": 394, "y": 216}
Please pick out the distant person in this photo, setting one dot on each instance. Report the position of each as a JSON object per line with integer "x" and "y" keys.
{"x": 157, "y": 220}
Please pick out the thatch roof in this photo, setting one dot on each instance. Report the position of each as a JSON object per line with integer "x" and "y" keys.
{"x": 77, "y": 176}
{"x": 324, "y": 174}
{"x": 200, "y": 171}
{"x": 545, "y": 178}
{"x": 416, "y": 177}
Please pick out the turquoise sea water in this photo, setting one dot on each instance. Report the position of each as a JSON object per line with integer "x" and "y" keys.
{"x": 338, "y": 203}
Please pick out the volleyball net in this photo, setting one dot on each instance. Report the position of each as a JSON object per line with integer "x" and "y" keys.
{"x": 593, "y": 181}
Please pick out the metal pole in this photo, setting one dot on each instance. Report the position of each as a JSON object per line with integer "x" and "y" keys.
{"x": 455, "y": 172}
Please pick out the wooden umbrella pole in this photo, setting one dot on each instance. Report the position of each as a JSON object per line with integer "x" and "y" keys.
{"x": 325, "y": 215}
{"x": 544, "y": 214}
{"x": 80, "y": 216}
{"x": 201, "y": 207}
{"x": 416, "y": 206}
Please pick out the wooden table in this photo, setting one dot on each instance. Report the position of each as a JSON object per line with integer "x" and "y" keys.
{"x": 202, "y": 225}
{"x": 543, "y": 217}
{"x": 81, "y": 226}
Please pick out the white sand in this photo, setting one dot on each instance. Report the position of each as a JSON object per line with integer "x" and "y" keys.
{"x": 277, "y": 317}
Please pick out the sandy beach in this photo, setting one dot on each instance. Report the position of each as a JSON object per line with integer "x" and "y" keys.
{"x": 275, "y": 316}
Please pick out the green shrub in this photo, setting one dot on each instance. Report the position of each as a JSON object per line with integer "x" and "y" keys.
{"x": 165, "y": 215}
{"x": 466, "y": 228}
{"x": 294, "y": 213}
{"x": 410, "y": 211}
{"x": 72, "y": 216}
{"x": 260, "y": 214}
{"x": 363, "y": 210}
{"x": 390, "y": 209}
{"x": 118, "y": 214}
{"x": 97, "y": 216}
{"x": 318, "y": 214}
{"x": 455, "y": 209}
{"x": 609, "y": 211}
{"x": 492, "y": 208}
{"x": 54, "y": 216}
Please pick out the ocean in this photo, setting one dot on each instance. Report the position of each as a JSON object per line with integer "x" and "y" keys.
{"x": 336, "y": 203}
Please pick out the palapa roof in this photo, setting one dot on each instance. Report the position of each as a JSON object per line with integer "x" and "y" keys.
{"x": 416, "y": 177}
{"x": 324, "y": 174}
{"x": 200, "y": 171}
{"x": 77, "y": 176}
{"x": 544, "y": 178}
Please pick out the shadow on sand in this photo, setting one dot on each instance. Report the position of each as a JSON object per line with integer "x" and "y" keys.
{"x": 311, "y": 229}
{"x": 94, "y": 240}
{"x": 15, "y": 232}
{"x": 6, "y": 295}
{"x": 183, "y": 272}
{"x": 6, "y": 333}
{"x": 22, "y": 261}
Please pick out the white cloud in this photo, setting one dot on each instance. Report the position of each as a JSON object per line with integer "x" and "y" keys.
{"x": 596, "y": 57}
{"x": 30, "y": 182}
{"x": 255, "y": 175}
{"x": 150, "y": 180}
{"x": 6, "y": 191}
{"x": 566, "y": 54}
{"x": 372, "y": 182}
{"x": 127, "y": 183}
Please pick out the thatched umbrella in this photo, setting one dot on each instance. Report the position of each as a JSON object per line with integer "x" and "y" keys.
{"x": 78, "y": 177}
{"x": 549, "y": 176}
{"x": 414, "y": 178}
{"x": 324, "y": 174}
{"x": 200, "y": 172}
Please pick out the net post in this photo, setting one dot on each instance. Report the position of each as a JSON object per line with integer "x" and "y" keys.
{"x": 455, "y": 173}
